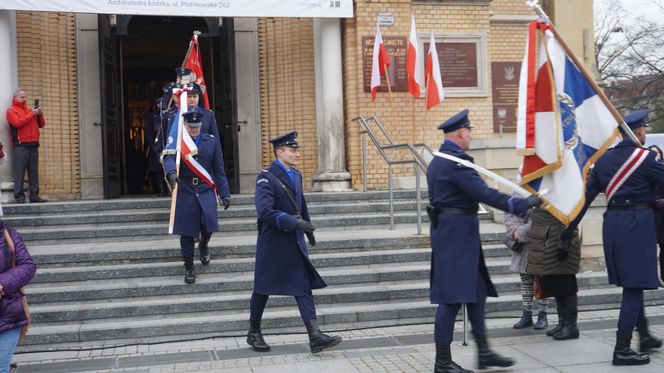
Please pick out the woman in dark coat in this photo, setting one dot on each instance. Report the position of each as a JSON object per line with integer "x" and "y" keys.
{"x": 557, "y": 263}
{"x": 16, "y": 270}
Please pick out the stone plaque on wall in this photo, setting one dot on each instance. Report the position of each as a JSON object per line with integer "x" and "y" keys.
{"x": 505, "y": 92}
{"x": 396, "y": 47}
{"x": 458, "y": 64}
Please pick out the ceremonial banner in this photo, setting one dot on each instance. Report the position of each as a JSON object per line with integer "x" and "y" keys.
{"x": 193, "y": 61}
{"x": 563, "y": 126}
{"x": 196, "y": 8}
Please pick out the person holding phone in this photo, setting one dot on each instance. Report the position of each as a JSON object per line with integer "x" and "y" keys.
{"x": 25, "y": 124}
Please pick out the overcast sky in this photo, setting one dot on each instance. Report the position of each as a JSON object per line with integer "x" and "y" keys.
{"x": 638, "y": 8}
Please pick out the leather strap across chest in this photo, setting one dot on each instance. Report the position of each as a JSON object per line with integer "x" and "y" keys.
{"x": 625, "y": 171}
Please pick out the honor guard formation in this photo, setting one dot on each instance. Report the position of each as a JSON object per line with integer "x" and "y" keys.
{"x": 184, "y": 155}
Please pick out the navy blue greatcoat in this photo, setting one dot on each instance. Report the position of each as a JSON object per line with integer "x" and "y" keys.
{"x": 630, "y": 239}
{"x": 282, "y": 258}
{"x": 457, "y": 263}
{"x": 197, "y": 204}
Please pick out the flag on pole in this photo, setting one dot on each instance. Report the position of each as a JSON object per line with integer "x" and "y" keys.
{"x": 379, "y": 64}
{"x": 563, "y": 126}
{"x": 434, "y": 80}
{"x": 193, "y": 61}
{"x": 414, "y": 62}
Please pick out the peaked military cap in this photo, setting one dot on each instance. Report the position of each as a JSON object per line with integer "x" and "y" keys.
{"x": 637, "y": 119}
{"x": 289, "y": 139}
{"x": 457, "y": 121}
{"x": 182, "y": 71}
{"x": 195, "y": 89}
{"x": 193, "y": 119}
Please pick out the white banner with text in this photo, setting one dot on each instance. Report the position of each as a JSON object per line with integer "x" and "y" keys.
{"x": 198, "y": 8}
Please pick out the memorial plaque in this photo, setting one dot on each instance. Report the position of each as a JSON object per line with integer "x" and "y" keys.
{"x": 458, "y": 64}
{"x": 396, "y": 47}
{"x": 505, "y": 92}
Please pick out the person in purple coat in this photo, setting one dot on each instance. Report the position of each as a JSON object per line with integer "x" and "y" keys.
{"x": 17, "y": 269}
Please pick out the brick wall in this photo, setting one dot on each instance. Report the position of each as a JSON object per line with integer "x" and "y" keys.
{"x": 287, "y": 85}
{"x": 47, "y": 71}
{"x": 406, "y": 119}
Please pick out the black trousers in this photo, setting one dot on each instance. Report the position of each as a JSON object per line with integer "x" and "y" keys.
{"x": 26, "y": 158}
{"x": 446, "y": 314}
{"x": 305, "y": 303}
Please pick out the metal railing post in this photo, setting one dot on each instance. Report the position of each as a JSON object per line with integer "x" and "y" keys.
{"x": 364, "y": 161}
{"x": 465, "y": 325}
{"x": 418, "y": 198}
{"x": 391, "y": 194}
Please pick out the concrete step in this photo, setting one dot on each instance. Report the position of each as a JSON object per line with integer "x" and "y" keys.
{"x": 238, "y": 301}
{"x": 60, "y": 207}
{"x": 161, "y": 215}
{"x": 141, "y": 231}
{"x": 224, "y": 247}
{"x": 180, "y": 325}
{"x": 219, "y": 264}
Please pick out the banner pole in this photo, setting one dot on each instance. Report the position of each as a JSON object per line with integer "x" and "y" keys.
{"x": 387, "y": 79}
{"x": 178, "y": 152}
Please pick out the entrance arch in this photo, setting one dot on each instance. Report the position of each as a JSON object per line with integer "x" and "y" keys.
{"x": 138, "y": 55}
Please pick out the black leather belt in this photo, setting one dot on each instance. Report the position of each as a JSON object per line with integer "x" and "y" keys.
{"x": 456, "y": 211}
{"x": 193, "y": 180}
{"x": 634, "y": 206}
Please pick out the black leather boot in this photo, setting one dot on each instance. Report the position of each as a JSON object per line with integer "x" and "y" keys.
{"x": 542, "y": 322}
{"x": 255, "y": 337}
{"x": 624, "y": 355}
{"x": 647, "y": 342}
{"x": 319, "y": 341}
{"x": 444, "y": 363}
{"x": 204, "y": 251}
{"x": 526, "y": 320}
{"x": 488, "y": 358}
{"x": 189, "y": 274}
{"x": 561, "y": 320}
{"x": 569, "y": 330}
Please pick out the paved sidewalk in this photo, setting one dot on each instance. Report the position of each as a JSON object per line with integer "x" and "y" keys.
{"x": 392, "y": 349}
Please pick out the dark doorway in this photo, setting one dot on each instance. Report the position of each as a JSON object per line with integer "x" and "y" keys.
{"x": 146, "y": 51}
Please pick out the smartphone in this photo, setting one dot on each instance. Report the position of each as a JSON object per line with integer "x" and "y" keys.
{"x": 36, "y": 103}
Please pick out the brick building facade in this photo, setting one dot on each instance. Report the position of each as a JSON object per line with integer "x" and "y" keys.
{"x": 50, "y": 53}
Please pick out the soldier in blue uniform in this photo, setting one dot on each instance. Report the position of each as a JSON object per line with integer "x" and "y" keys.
{"x": 208, "y": 119}
{"x": 628, "y": 175}
{"x": 282, "y": 259}
{"x": 196, "y": 207}
{"x": 458, "y": 272}
{"x": 154, "y": 137}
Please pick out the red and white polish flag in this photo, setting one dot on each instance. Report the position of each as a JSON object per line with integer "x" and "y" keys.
{"x": 379, "y": 64}
{"x": 435, "y": 92}
{"x": 414, "y": 62}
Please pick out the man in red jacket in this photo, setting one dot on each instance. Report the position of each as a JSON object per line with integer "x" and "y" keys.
{"x": 25, "y": 124}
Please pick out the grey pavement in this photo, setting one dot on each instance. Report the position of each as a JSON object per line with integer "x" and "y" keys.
{"x": 389, "y": 349}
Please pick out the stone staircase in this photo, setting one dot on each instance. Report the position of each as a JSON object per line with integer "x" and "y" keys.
{"x": 110, "y": 275}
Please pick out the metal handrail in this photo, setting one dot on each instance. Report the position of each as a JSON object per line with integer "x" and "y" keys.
{"x": 365, "y": 130}
{"x": 417, "y": 152}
